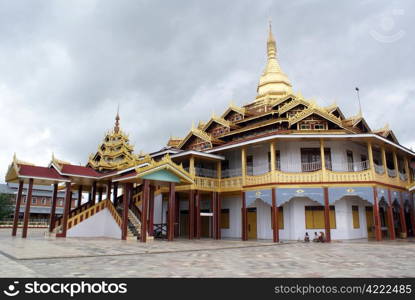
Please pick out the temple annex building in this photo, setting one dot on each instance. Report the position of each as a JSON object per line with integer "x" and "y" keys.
{"x": 275, "y": 168}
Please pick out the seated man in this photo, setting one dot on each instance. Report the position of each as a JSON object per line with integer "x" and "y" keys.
{"x": 315, "y": 239}
{"x": 306, "y": 238}
{"x": 321, "y": 237}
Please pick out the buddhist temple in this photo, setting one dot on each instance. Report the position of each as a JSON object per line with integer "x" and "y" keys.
{"x": 276, "y": 168}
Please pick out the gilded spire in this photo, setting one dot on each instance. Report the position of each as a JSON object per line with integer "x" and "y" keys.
{"x": 273, "y": 81}
{"x": 117, "y": 121}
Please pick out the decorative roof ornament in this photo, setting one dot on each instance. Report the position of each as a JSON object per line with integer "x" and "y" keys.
{"x": 117, "y": 120}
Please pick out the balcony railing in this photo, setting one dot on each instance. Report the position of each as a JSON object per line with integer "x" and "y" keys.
{"x": 311, "y": 166}
{"x": 228, "y": 173}
{"x": 203, "y": 172}
{"x": 391, "y": 173}
{"x": 403, "y": 176}
{"x": 379, "y": 169}
{"x": 351, "y": 167}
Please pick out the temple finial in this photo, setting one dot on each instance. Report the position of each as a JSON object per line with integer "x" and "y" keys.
{"x": 117, "y": 120}
{"x": 271, "y": 47}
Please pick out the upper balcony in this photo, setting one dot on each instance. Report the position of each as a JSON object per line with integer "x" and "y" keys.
{"x": 291, "y": 165}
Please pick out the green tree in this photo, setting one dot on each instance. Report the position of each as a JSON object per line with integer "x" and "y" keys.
{"x": 6, "y": 206}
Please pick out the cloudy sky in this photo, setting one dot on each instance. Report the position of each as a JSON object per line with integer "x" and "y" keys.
{"x": 66, "y": 65}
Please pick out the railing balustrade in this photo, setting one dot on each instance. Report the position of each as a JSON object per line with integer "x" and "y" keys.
{"x": 379, "y": 169}
{"x": 203, "y": 172}
{"x": 403, "y": 176}
{"x": 391, "y": 173}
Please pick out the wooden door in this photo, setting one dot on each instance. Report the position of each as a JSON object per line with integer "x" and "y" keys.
{"x": 252, "y": 234}
{"x": 370, "y": 222}
{"x": 184, "y": 223}
{"x": 205, "y": 232}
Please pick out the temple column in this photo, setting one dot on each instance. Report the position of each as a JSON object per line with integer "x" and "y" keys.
{"x": 376, "y": 216}
{"x": 171, "y": 211}
{"x": 115, "y": 194}
{"x": 219, "y": 216}
{"x": 191, "y": 214}
{"x": 100, "y": 192}
{"x": 17, "y": 208}
{"x": 323, "y": 161}
{"x": 385, "y": 165}
{"x": 192, "y": 169}
{"x": 274, "y": 219}
{"x": 412, "y": 212}
{"x": 402, "y": 217}
{"x": 27, "y": 208}
{"x": 390, "y": 217}
{"x": 94, "y": 192}
{"x": 89, "y": 197}
{"x": 177, "y": 215}
{"x": 243, "y": 164}
{"x": 370, "y": 155}
{"x": 144, "y": 211}
{"x": 80, "y": 196}
{"x": 66, "y": 209}
{"x": 219, "y": 170}
{"x": 109, "y": 190}
{"x": 407, "y": 172}
{"x": 70, "y": 202}
{"x": 151, "y": 211}
{"x": 244, "y": 218}
{"x": 198, "y": 220}
{"x": 327, "y": 214}
{"x": 272, "y": 156}
{"x": 395, "y": 166}
{"x": 124, "y": 225}
{"x": 53, "y": 208}
{"x": 213, "y": 219}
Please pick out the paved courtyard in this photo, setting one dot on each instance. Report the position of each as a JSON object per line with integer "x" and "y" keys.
{"x": 40, "y": 256}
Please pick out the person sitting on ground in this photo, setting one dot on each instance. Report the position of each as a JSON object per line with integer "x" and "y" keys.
{"x": 315, "y": 239}
{"x": 321, "y": 237}
{"x": 306, "y": 238}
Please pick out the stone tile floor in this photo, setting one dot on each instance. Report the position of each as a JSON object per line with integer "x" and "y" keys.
{"x": 38, "y": 256}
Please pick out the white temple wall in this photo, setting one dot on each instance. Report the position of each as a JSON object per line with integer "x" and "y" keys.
{"x": 101, "y": 224}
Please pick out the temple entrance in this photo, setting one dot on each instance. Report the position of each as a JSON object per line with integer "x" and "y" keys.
{"x": 252, "y": 223}
{"x": 205, "y": 224}
{"x": 396, "y": 217}
{"x": 369, "y": 222}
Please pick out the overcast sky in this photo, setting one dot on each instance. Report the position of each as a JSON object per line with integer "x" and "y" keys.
{"x": 66, "y": 65}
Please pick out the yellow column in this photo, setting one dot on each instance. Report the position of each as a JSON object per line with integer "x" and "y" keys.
{"x": 371, "y": 163}
{"x": 272, "y": 154}
{"x": 192, "y": 169}
{"x": 407, "y": 169}
{"x": 243, "y": 164}
{"x": 385, "y": 167}
{"x": 219, "y": 169}
{"x": 395, "y": 165}
{"x": 323, "y": 160}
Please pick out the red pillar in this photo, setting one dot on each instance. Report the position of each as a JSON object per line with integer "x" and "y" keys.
{"x": 177, "y": 215}
{"x": 219, "y": 208}
{"x": 125, "y": 203}
{"x": 151, "y": 211}
{"x": 94, "y": 192}
{"x": 109, "y": 190}
{"x": 80, "y": 196}
{"x": 198, "y": 220}
{"x": 213, "y": 206}
{"x": 412, "y": 212}
{"x": 274, "y": 219}
{"x": 53, "y": 208}
{"x": 27, "y": 209}
{"x": 115, "y": 194}
{"x": 17, "y": 208}
{"x": 402, "y": 215}
{"x": 244, "y": 218}
{"x": 327, "y": 214}
{"x": 191, "y": 214}
{"x": 66, "y": 209}
{"x": 378, "y": 233}
{"x": 171, "y": 211}
{"x": 390, "y": 217}
{"x": 144, "y": 211}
